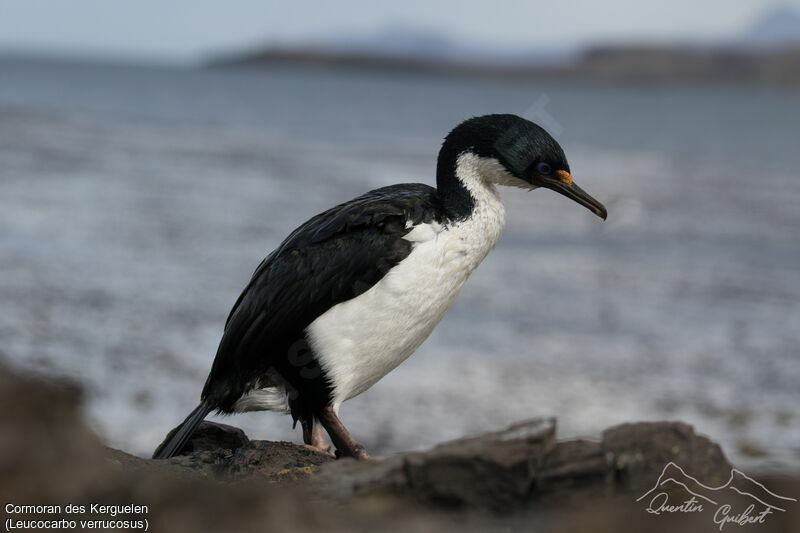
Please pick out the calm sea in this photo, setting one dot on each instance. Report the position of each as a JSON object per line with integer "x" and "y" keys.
{"x": 135, "y": 203}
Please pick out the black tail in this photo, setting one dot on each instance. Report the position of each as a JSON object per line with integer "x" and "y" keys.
{"x": 173, "y": 444}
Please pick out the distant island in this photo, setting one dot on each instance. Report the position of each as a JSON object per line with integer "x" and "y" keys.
{"x": 629, "y": 63}
{"x": 767, "y": 52}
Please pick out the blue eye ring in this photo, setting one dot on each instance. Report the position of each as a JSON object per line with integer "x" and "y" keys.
{"x": 544, "y": 169}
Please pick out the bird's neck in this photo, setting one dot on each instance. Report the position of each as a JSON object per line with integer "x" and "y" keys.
{"x": 457, "y": 200}
{"x": 467, "y": 189}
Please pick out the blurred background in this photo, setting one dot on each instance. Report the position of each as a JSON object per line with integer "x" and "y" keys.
{"x": 152, "y": 154}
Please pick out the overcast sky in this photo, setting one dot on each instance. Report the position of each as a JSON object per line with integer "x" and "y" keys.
{"x": 189, "y": 29}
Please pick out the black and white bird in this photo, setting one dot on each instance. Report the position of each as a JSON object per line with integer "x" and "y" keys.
{"x": 354, "y": 291}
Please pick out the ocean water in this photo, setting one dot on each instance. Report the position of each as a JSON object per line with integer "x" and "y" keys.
{"x": 135, "y": 203}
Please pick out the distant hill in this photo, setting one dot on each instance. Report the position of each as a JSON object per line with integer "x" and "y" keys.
{"x": 637, "y": 63}
{"x": 400, "y": 44}
{"x": 779, "y": 26}
{"x": 767, "y": 52}
{"x": 401, "y": 41}
{"x": 773, "y": 66}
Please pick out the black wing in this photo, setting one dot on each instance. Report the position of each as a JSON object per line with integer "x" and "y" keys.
{"x": 331, "y": 258}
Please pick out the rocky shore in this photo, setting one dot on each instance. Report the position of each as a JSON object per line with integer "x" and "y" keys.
{"x": 521, "y": 478}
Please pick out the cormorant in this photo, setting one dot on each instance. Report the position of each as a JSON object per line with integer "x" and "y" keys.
{"x": 354, "y": 291}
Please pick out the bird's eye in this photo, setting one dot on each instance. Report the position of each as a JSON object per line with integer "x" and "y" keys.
{"x": 543, "y": 169}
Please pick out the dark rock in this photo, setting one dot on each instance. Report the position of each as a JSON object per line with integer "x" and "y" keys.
{"x": 641, "y": 451}
{"x": 210, "y": 436}
{"x": 524, "y": 466}
{"x": 47, "y": 455}
{"x": 573, "y": 470}
{"x": 528, "y": 479}
{"x": 494, "y": 471}
{"x": 41, "y": 432}
{"x": 120, "y": 462}
{"x": 271, "y": 461}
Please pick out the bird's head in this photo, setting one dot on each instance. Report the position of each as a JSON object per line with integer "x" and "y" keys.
{"x": 508, "y": 150}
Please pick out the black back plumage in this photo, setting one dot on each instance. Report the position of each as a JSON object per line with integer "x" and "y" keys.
{"x": 333, "y": 257}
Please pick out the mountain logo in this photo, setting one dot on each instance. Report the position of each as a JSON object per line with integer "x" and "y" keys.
{"x": 741, "y": 500}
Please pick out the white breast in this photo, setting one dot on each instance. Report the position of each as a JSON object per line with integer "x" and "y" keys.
{"x": 361, "y": 340}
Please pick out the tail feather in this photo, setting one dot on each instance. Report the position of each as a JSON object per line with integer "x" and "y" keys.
{"x": 185, "y": 430}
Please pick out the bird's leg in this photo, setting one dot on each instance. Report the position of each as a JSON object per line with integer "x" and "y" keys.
{"x": 313, "y": 436}
{"x": 344, "y": 442}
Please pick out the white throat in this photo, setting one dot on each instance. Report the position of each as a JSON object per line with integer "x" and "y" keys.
{"x": 479, "y": 175}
